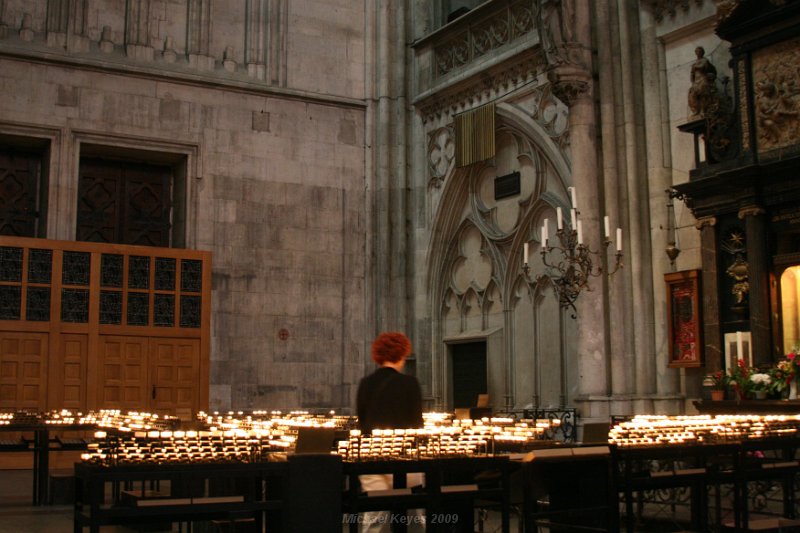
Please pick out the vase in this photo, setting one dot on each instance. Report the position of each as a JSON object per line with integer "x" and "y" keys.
{"x": 793, "y": 390}
{"x": 717, "y": 395}
{"x": 760, "y": 394}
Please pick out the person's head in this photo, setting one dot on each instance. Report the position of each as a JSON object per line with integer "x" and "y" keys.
{"x": 391, "y": 348}
{"x": 699, "y": 52}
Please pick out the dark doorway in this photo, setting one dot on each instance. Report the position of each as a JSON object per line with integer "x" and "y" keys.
{"x": 468, "y": 371}
{"x": 23, "y": 189}
{"x": 124, "y": 202}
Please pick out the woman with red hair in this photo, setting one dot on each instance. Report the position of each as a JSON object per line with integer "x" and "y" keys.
{"x": 389, "y": 399}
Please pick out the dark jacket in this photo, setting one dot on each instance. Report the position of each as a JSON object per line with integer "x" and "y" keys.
{"x": 388, "y": 399}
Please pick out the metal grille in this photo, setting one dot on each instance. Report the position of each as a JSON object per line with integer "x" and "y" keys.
{"x": 40, "y": 265}
{"x": 10, "y": 264}
{"x": 138, "y": 272}
{"x": 165, "y": 274}
{"x": 190, "y": 311}
{"x": 37, "y": 305}
{"x": 75, "y": 305}
{"x": 191, "y": 275}
{"x": 138, "y": 307}
{"x": 10, "y": 302}
{"x": 164, "y": 310}
{"x": 76, "y": 268}
{"x": 111, "y": 270}
{"x": 110, "y": 307}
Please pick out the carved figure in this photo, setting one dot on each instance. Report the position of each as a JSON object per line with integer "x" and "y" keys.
{"x": 703, "y": 76}
{"x": 557, "y": 27}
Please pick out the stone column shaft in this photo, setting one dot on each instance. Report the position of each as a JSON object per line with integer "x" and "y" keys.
{"x": 712, "y": 336}
{"x": 758, "y": 277}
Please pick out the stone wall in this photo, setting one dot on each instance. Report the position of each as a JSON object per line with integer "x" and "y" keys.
{"x": 269, "y": 123}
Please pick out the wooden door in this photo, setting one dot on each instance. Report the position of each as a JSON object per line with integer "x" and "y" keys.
{"x": 23, "y": 370}
{"x": 103, "y": 326}
{"x": 123, "y": 375}
{"x": 19, "y": 191}
{"x": 175, "y": 371}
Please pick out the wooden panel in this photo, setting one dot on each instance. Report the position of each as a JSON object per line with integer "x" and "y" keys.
{"x": 23, "y": 370}
{"x": 175, "y": 374}
{"x": 74, "y": 349}
{"x": 102, "y": 359}
{"x": 123, "y": 372}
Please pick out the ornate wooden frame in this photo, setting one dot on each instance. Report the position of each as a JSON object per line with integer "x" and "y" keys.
{"x": 684, "y": 320}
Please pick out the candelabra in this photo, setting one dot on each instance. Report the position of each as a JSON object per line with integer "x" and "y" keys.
{"x": 570, "y": 273}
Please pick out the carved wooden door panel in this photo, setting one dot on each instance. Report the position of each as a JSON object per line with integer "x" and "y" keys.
{"x": 175, "y": 374}
{"x": 73, "y": 373}
{"x": 123, "y": 378}
{"x": 126, "y": 203}
{"x": 19, "y": 190}
{"x": 23, "y": 370}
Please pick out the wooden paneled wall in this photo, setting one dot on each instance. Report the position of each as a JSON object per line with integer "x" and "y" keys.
{"x": 90, "y": 326}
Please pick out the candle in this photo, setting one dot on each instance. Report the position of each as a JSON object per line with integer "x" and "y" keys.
{"x": 572, "y": 196}
{"x": 739, "y": 345}
{"x": 545, "y": 232}
{"x": 525, "y": 253}
{"x": 580, "y": 232}
{"x": 619, "y": 239}
{"x": 559, "y": 218}
{"x": 607, "y": 227}
{"x": 573, "y": 215}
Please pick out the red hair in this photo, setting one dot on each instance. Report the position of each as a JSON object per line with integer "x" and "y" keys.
{"x": 390, "y": 347}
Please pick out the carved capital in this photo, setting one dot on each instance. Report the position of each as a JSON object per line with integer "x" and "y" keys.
{"x": 702, "y": 222}
{"x": 570, "y": 83}
{"x": 750, "y": 211}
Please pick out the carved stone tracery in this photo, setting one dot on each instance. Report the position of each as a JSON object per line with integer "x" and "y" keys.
{"x": 476, "y": 40}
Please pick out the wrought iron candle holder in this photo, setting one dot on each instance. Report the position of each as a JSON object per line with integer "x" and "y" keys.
{"x": 569, "y": 271}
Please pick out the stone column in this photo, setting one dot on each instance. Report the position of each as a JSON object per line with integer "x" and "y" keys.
{"x": 572, "y": 82}
{"x": 573, "y": 85}
{"x": 758, "y": 277}
{"x": 255, "y": 38}
{"x": 712, "y": 336}
{"x": 137, "y": 30}
{"x": 198, "y": 34}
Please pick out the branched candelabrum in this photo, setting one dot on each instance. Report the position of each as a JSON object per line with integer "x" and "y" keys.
{"x": 571, "y": 267}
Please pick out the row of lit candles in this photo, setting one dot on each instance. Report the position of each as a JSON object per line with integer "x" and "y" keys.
{"x": 661, "y": 430}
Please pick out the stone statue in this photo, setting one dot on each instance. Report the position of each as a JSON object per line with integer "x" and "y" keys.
{"x": 703, "y": 89}
{"x": 557, "y": 27}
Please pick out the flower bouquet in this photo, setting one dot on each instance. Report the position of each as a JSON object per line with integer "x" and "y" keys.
{"x": 760, "y": 384}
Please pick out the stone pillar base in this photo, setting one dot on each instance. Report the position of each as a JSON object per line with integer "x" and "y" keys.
{"x": 602, "y": 408}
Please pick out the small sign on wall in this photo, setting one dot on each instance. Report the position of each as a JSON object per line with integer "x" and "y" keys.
{"x": 683, "y": 315}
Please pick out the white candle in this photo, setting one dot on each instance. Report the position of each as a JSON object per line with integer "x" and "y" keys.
{"x": 572, "y": 196}
{"x": 580, "y": 232}
{"x": 619, "y": 239}
{"x": 559, "y": 218}
{"x": 607, "y": 226}
{"x": 545, "y": 232}
{"x": 573, "y": 216}
{"x": 525, "y": 253}
{"x": 739, "y": 345}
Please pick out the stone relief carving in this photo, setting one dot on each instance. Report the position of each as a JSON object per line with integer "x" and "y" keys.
{"x": 557, "y": 30}
{"x": 441, "y": 154}
{"x": 502, "y": 27}
{"x": 491, "y": 85}
{"x": 662, "y": 8}
{"x": 777, "y": 95}
{"x": 551, "y": 114}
